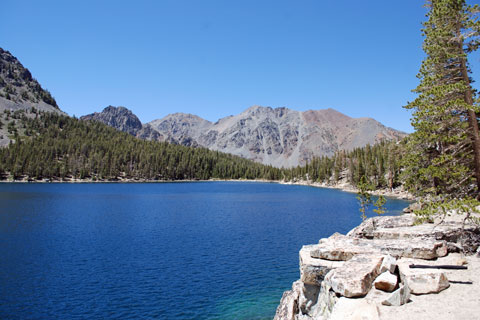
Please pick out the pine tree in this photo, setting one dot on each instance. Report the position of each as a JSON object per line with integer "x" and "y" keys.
{"x": 443, "y": 154}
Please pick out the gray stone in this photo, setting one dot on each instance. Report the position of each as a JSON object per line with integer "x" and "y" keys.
{"x": 308, "y": 297}
{"x": 312, "y": 270}
{"x": 386, "y": 282}
{"x": 354, "y": 309}
{"x": 422, "y": 281}
{"x": 326, "y": 301}
{"x": 389, "y": 264}
{"x": 355, "y": 277}
{"x": 288, "y": 307}
{"x": 398, "y": 297}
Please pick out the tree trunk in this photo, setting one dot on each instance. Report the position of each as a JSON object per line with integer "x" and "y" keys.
{"x": 472, "y": 119}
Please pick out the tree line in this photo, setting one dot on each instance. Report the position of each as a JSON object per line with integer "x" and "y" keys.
{"x": 380, "y": 165}
{"x": 53, "y": 146}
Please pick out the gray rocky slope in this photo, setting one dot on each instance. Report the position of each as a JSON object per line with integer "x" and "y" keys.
{"x": 19, "y": 91}
{"x": 280, "y": 137}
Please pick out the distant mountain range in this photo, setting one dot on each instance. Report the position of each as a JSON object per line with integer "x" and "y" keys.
{"x": 280, "y": 137}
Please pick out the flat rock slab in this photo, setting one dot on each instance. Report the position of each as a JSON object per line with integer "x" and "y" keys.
{"x": 422, "y": 281}
{"x": 355, "y": 277}
{"x": 343, "y": 248}
{"x": 313, "y": 270}
{"x": 354, "y": 309}
{"x": 366, "y": 229}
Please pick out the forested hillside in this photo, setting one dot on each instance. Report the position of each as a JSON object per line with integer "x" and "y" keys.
{"x": 58, "y": 147}
{"x": 381, "y": 164}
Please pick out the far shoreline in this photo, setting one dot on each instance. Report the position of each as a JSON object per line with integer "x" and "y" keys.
{"x": 396, "y": 193}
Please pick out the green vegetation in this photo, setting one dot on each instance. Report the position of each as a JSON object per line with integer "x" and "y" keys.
{"x": 364, "y": 198}
{"x": 443, "y": 154}
{"x": 60, "y": 147}
{"x": 379, "y": 165}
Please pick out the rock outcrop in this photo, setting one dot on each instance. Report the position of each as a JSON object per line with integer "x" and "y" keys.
{"x": 124, "y": 120}
{"x": 358, "y": 275}
{"x": 19, "y": 92}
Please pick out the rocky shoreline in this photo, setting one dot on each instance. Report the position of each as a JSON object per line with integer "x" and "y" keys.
{"x": 368, "y": 273}
{"x": 399, "y": 192}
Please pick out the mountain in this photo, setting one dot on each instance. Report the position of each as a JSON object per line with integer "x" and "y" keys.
{"x": 280, "y": 137}
{"x": 124, "y": 120}
{"x": 19, "y": 92}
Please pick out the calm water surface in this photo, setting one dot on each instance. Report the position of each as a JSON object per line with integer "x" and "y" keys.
{"x": 206, "y": 250}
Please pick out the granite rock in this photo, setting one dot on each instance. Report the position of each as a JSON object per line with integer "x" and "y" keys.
{"x": 398, "y": 297}
{"x": 355, "y": 277}
{"x": 343, "y": 248}
{"x": 386, "y": 282}
{"x": 422, "y": 281}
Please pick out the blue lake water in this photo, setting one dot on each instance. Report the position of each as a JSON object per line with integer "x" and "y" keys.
{"x": 204, "y": 250}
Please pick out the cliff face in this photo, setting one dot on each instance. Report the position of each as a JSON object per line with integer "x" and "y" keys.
{"x": 367, "y": 273}
{"x": 280, "y": 137}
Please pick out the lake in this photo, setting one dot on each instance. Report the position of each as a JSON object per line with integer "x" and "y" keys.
{"x": 199, "y": 250}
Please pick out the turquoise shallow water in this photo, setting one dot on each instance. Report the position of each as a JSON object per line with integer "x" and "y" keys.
{"x": 205, "y": 250}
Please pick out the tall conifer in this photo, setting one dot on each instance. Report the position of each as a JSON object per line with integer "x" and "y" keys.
{"x": 443, "y": 155}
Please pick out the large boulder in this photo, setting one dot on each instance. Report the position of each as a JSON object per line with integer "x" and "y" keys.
{"x": 355, "y": 277}
{"x": 422, "y": 281}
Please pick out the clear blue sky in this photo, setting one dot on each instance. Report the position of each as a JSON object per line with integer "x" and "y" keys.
{"x": 215, "y": 58}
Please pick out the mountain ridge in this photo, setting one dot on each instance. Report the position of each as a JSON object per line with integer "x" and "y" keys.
{"x": 21, "y": 93}
{"x": 281, "y": 137}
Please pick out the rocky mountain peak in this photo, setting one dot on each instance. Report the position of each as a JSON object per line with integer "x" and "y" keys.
{"x": 18, "y": 89}
{"x": 276, "y": 136}
{"x": 124, "y": 120}
{"x": 117, "y": 117}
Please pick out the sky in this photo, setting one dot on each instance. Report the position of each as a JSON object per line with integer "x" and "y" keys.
{"x": 216, "y": 58}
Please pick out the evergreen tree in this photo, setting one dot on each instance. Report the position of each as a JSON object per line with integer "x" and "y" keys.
{"x": 443, "y": 154}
